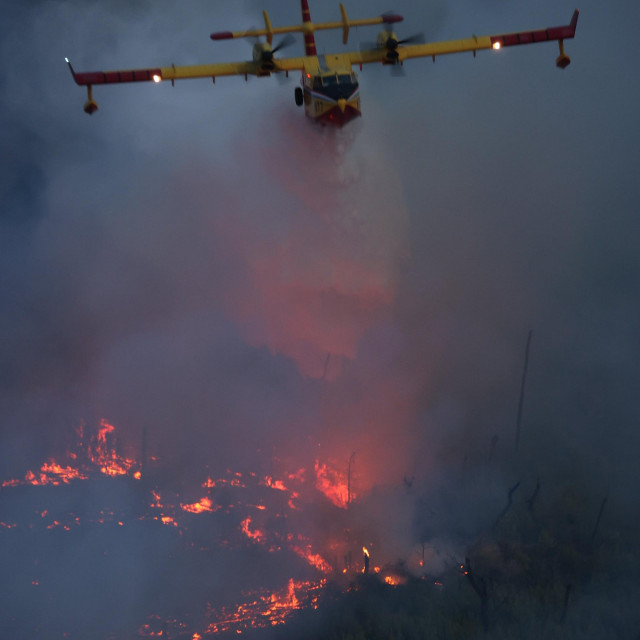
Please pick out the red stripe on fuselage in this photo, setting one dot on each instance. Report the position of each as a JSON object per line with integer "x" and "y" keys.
{"x": 309, "y": 40}
{"x": 306, "y": 14}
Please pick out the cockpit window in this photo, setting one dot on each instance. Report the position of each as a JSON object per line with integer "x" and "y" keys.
{"x": 336, "y": 86}
{"x": 342, "y": 78}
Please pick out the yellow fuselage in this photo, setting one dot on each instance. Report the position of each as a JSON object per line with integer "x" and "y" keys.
{"x": 331, "y": 93}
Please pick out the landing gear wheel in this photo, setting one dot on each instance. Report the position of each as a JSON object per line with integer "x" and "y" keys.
{"x": 299, "y": 96}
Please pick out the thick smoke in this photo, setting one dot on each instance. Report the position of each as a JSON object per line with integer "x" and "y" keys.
{"x": 201, "y": 262}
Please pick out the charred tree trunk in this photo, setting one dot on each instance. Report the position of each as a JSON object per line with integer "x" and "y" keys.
{"x": 326, "y": 366}
{"x": 143, "y": 451}
{"x": 565, "y": 606}
{"x": 480, "y": 587}
{"x": 603, "y": 504}
{"x": 531, "y": 502}
{"x": 492, "y": 448}
{"x": 351, "y": 459}
{"x": 522, "y": 388}
{"x": 504, "y": 512}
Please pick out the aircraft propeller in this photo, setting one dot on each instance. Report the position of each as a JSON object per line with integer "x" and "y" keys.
{"x": 263, "y": 52}
{"x": 390, "y": 42}
{"x": 287, "y": 41}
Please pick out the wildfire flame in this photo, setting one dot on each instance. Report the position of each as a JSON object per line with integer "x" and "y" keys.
{"x": 333, "y": 484}
{"x": 314, "y": 559}
{"x": 97, "y": 454}
{"x": 100, "y": 454}
{"x": 205, "y": 504}
{"x": 268, "y": 609}
{"x": 394, "y": 580}
{"x": 256, "y": 534}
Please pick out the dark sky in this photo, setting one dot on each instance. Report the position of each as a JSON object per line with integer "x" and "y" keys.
{"x": 203, "y": 262}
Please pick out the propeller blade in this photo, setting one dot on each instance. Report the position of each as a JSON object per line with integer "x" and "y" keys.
{"x": 287, "y": 41}
{"x": 416, "y": 38}
{"x": 397, "y": 71}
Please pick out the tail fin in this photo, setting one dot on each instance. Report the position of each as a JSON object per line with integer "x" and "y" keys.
{"x": 309, "y": 39}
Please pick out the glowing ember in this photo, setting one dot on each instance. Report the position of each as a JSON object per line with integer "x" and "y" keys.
{"x": 205, "y": 504}
{"x": 256, "y": 535}
{"x": 394, "y": 580}
{"x": 168, "y": 520}
{"x": 274, "y": 484}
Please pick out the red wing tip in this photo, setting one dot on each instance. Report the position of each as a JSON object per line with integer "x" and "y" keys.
{"x": 389, "y": 18}
{"x": 222, "y": 35}
{"x": 574, "y": 19}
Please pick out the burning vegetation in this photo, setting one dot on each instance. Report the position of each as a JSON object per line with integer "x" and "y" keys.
{"x": 242, "y": 552}
{"x": 236, "y": 514}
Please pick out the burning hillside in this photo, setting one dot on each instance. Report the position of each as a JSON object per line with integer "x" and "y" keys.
{"x": 239, "y": 551}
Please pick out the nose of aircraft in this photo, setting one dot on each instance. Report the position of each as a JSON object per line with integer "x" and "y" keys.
{"x": 342, "y": 104}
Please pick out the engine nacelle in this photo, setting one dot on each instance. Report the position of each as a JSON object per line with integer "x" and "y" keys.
{"x": 263, "y": 56}
{"x": 388, "y": 41}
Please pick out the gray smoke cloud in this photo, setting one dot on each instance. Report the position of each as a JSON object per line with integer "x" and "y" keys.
{"x": 203, "y": 262}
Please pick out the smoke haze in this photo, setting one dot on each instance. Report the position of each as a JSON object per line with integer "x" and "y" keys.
{"x": 202, "y": 262}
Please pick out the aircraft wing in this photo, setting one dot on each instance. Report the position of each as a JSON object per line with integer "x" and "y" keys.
{"x": 475, "y": 43}
{"x": 157, "y": 74}
{"x": 172, "y": 73}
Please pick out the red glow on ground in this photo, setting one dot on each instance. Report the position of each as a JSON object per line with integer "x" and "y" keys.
{"x": 267, "y": 609}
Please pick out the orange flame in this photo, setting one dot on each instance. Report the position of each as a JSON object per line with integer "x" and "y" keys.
{"x": 314, "y": 559}
{"x": 271, "y": 609}
{"x": 394, "y": 580}
{"x": 106, "y": 457}
{"x": 205, "y": 504}
{"x": 256, "y": 535}
{"x": 99, "y": 452}
{"x": 333, "y": 484}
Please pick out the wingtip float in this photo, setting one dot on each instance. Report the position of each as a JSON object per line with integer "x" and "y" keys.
{"x": 329, "y": 87}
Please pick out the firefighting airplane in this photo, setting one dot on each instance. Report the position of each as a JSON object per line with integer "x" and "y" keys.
{"x": 329, "y": 90}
